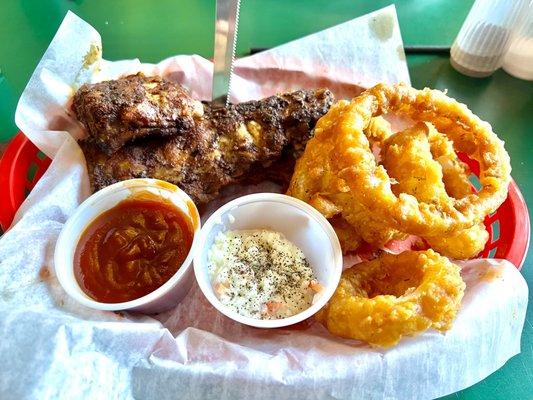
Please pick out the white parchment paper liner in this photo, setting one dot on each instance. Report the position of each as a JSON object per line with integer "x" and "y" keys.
{"x": 53, "y": 348}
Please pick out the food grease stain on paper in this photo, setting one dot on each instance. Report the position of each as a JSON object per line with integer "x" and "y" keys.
{"x": 492, "y": 274}
{"x": 90, "y": 67}
{"x": 382, "y": 26}
{"x": 44, "y": 273}
{"x": 93, "y": 55}
{"x": 401, "y": 52}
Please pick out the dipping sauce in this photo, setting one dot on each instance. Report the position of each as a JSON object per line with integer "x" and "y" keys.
{"x": 260, "y": 274}
{"x": 132, "y": 249}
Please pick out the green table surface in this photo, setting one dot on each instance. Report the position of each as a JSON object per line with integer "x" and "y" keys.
{"x": 153, "y": 30}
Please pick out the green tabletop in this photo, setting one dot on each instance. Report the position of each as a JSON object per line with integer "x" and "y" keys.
{"x": 153, "y": 30}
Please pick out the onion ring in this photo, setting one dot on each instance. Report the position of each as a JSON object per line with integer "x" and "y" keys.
{"x": 424, "y": 164}
{"x": 382, "y": 300}
{"x": 463, "y": 244}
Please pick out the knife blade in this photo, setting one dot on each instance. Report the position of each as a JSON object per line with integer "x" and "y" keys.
{"x": 226, "y": 28}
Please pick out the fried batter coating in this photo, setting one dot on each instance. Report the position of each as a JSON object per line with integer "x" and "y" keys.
{"x": 464, "y": 244}
{"x": 408, "y": 158}
{"x": 368, "y": 225}
{"x": 338, "y": 201}
{"x": 454, "y": 171}
{"x": 349, "y": 237}
{"x": 338, "y": 163}
{"x": 378, "y": 130}
{"x": 382, "y": 300}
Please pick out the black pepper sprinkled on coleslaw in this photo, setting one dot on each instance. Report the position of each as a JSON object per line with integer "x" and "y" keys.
{"x": 261, "y": 274}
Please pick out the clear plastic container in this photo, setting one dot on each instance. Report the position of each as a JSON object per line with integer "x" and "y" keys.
{"x": 485, "y": 36}
{"x": 519, "y": 58}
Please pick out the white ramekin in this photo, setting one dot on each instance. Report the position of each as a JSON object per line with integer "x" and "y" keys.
{"x": 171, "y": 292}
{"x": 299, "y": 222}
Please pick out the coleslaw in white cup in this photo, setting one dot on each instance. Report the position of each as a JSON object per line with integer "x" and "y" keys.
{"x": 300, "y": 223}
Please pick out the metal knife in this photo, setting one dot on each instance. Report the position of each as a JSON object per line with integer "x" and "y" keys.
{"x": 226, "y": 26}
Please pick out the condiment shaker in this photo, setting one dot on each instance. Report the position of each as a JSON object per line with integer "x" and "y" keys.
{"x": 485, "y": 36}
{"x": 519, "y": 58}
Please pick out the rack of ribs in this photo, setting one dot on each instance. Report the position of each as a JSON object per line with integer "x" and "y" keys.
{"x": 148, "y": 127}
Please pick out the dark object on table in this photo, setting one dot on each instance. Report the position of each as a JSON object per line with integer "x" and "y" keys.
{"x": 414, "y": 49}
{"x": 223, "y": 146}
{"x": 118, "y": 111}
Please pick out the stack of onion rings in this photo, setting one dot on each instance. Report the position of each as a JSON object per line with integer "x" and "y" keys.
{"x": 340, "y": 175}
{"x": 375, "y": 185}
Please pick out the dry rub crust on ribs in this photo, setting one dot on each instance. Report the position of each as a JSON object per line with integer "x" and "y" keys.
{"x": 222, "y": 146}
{"x": 118, "y": 111}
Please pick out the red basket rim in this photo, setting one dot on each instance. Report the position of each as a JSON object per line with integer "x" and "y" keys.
{"x": 522, "y": 234}
{"x": 9, "y": 201}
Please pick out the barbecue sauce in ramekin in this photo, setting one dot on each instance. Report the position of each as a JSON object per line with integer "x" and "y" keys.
{"x": 132, "y": 249}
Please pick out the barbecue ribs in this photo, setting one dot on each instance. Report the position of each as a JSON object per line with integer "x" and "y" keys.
{"x": 200, "y": 149}
{"x": 118, "y": 111}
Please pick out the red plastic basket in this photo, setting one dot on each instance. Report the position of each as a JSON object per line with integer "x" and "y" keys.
{"x": 23, "y": 164}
